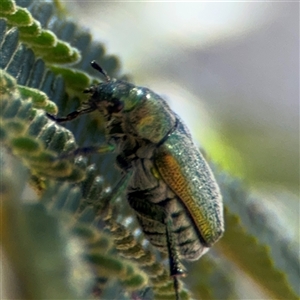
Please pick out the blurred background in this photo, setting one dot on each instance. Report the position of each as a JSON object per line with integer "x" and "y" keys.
{"x": 231, "y": 71}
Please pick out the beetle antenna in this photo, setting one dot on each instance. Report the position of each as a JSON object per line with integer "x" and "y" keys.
{"x": 98, "y": 68}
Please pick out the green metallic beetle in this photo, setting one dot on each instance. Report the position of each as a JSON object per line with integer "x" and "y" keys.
{"x": 171, "y": 187}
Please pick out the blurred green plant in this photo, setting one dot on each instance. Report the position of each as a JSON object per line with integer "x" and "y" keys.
{"x": 81, "y": 234}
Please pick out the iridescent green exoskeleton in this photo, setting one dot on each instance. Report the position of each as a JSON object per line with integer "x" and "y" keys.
{"x": 171, "y": 187}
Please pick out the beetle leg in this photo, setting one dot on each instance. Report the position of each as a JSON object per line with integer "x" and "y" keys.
{"x": 151, "y": 211}
{"x": 88, "y": 151}
{"x": 176, "y": 268}
{"x": 71, "y": 116}
{"x": 117, "y": 190}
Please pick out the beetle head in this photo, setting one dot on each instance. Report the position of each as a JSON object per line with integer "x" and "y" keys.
{"x": 145, "y": 114}
{"x": 113, "y": 96}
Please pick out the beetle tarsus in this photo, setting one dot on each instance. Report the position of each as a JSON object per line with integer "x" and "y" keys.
{"x": 71, "y": 116}
{"x": 176, "y": 287}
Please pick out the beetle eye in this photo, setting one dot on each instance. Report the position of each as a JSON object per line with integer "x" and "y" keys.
{"x": 115, "y": 105}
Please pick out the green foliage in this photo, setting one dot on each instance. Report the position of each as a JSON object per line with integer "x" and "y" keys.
{"x": 83, "y": 236}
{"x": 38, "y": 244}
